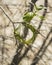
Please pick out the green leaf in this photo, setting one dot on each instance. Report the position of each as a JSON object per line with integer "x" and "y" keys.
{"x": 38, "y": 8}
{"x": 16, "y": 29}
{"x": 35, "y": 32}
{"x": 41, "y": 17}
{"x": 28, "y": 16}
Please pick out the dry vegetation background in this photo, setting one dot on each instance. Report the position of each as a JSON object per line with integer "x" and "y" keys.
{"x": 40, "y": 52}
